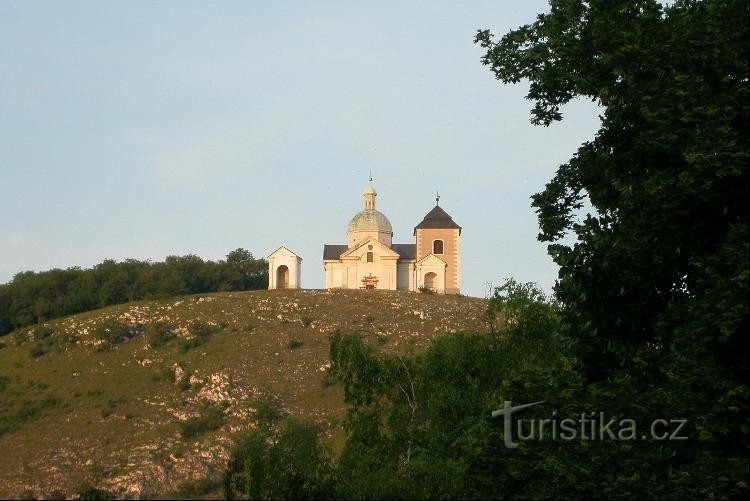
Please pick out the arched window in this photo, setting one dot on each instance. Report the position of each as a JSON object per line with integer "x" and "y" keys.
{"x": 437, "y": 246}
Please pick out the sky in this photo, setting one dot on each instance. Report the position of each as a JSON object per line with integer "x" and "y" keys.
{"x": 144, "y": 129}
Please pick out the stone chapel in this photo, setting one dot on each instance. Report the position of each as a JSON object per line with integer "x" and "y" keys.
{"x": 370, "y": 259}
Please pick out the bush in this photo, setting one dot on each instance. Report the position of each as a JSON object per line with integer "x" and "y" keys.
{"x": 159, "y": 334}
{"x": 37, "y": 350}
{"x": 269, "y": 411}
{"x": 211, "y": 419}
{"x": 201, "y": 332}
{"x": 114, "y": 332}
{"x": 198, "y": 489}
{"x": 289, "y": 464}
{"x": 294, "y": 344}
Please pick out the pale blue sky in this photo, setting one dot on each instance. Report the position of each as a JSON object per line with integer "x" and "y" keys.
{"x": 142, "y": 129}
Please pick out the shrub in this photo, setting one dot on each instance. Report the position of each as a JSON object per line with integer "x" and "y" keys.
{"x": 211, "y": 419}
{"x": 37, "y": 350}
{"x": 201, "y": 332}
{"x": 159, "y": 334}
{"x": 294, "y": 344}
{"x": 113, "y": 332}
{"x": 184, "y": 383}
{"x": 269, "y": 410}
{"x": 199, "y": 488}
{"x": 287, "y": 465}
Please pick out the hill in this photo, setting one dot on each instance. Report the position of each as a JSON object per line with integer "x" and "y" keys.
{"x": 144, "y": 399}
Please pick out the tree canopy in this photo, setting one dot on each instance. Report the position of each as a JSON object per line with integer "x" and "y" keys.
{"x": 33, "y": 297}
{"x": 663, "y": 250}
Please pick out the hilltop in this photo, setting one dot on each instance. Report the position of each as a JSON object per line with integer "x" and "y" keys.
{"x": 145, "y": 399}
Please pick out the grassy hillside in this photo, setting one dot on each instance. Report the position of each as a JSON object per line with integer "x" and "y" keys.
{"x": 144, "y": 399}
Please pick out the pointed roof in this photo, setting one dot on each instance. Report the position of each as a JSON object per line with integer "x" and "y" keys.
{"x": 437, "y": 218}
{"x": 384, "y": 249}
{"x": 281, "y": 249}
{"x": 432, "y": 259}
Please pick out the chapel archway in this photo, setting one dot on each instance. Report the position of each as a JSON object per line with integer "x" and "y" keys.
{"x": 430, "y": 281}
{"x": 282, "y": 277}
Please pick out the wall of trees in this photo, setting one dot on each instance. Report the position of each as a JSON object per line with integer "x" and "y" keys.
{"x": 33, "y": 297}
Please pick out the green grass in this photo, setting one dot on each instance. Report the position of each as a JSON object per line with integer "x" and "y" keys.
{"x": 116, "y": 406}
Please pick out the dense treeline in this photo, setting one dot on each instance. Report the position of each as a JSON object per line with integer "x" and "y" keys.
{"x": 33, "y": 297}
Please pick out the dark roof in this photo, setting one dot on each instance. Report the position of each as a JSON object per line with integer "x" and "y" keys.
{"x": 437, "y": 218}
{"x": 333, "y": 251}
{"x": 405, "y": 251}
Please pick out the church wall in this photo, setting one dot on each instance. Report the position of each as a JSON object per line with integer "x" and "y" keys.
{"x": 405, "y": 276}
{"x": 451, "y": 253}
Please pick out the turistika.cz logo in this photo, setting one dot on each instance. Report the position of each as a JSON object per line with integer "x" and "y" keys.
{"x": 586, "y": 426}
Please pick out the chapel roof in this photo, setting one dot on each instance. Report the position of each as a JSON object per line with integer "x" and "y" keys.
{"x": 404, "y": 251}
{"x": 437, "y": 218}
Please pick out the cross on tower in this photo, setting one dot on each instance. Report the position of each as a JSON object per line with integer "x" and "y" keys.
{"x": 437, "y": 197}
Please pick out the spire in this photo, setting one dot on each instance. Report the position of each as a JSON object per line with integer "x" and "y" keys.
{"x": 437, "y": 198}
{"x": 369, "y": 195}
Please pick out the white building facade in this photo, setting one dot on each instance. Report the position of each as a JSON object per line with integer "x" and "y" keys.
{"x": 370, "y": 259}
{"x": 284, "y": 269}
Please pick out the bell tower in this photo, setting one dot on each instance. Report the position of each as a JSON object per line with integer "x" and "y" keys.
{"x": 438, "y": 236}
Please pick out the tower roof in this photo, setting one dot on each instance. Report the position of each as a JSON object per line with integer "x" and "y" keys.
{"x": 369, "y": 190}
{"x": 437, "y": 218}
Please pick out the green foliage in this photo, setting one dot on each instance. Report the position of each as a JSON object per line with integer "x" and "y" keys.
{"x": 198, "y": 489}
{"x": 212, "y": 418}
{"x": 293, "y": 344}
{"x": 420, "y": 427}
{"x": 666, "y": 175}
{"x": 269, "y": 411}
{"x": 37, "y": 350}
{"x": 18, "y": 411}
{"x": 653, "y": 291}
{"x": 201, "y": 332}
{"x": 113, "y": 332}
{"x": 159, "y": 334}
{"x": 524, "y": 307}
{"x": 184, "y": 383}
{"x": 37, "y": 297}
{"x": 288, "y": 464}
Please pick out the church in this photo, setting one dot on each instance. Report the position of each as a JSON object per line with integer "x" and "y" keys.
{"x": 370, "y": 259}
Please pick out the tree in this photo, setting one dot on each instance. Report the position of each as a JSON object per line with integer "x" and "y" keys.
{"x": 666, "y": 175}
{"x": 288, "y": 464}
{"x": 654, "y": 289}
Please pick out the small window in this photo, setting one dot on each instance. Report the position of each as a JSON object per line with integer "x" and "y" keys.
{"x": 437, "y": 247}
{"x": 369, "y": 257}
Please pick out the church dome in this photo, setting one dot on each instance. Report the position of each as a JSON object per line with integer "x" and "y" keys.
{"x": 370, "y": 220}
